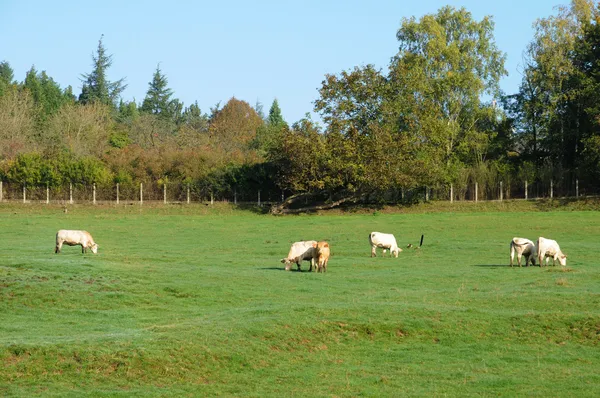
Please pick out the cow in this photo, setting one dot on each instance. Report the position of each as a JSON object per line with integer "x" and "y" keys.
{"x": 74, "y": 238}
{"x": 522, "y": 247}
{"x": 385, "y": 241}
{"x": 547, "y": 248}
{"x": 299, "y": 251}
{"x": 323, "y": 253}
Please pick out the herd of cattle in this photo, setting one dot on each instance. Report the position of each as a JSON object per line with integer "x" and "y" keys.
{"x": 318, "y": 252}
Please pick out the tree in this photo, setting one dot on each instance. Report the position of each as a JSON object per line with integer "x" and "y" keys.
{"x": 445, "y": 64}
{"x": 550, "y": 108}
{"x": 158, "y": 97}
{"x": 96, "y": 86}
{"x": 17, "y": 117}
{"x": 234, "y": 126}
{"x": 6, "y": 76}
{"x": 275, "y": 117}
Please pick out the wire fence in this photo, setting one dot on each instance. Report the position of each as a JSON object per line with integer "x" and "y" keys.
{"x": 186, "y": 193}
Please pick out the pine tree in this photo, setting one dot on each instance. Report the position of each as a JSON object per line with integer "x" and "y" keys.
{"x": 158, "y": 97}
{"x": 96, "y": 87}
{"x": 6, "y": 76}
{"x": 275, "y": 117}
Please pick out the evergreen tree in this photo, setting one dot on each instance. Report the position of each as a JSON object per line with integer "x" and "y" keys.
{"x": 6, "y": 76}
{"x": 33, "y": 84}
{"x": 275, "y": 117}
{"x": 96, "y": 86}
{"x": 158, "y": 97}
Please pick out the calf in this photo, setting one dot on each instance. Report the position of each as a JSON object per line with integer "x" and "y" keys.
{"x": 300, "y": 251}
{"x": 74, "y": 238}
{"x": 523, "y": 247}
{"x": 385, "y": 241}
{"x": 547, "y": 248}
{"x": 322, "y": 256}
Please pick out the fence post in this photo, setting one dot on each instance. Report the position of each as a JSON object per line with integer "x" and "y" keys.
{"x": 141, "y": 193}
{"x": 117, "y": 193}
{"x": 188, "y": 194}
{"x": 212, "y": 199}
{"x": 165, "y": 193}
{"x": 235, "y": 196}
{"x": 259, "y": 198}
{"x": 551, "y": 189}
{"x": 426, "y": 194}
{"x": 282, "y": 197}
{"x": 451, "y": 193}
{"x": 94, "y": 193}
{"x": 1, "y": 198}
{"x": 71, "y": 193}
{"x": 525, "y": 189}
{"x": 576, "y": 189}
{"x": 47, "y": 194}
{"x": 24, "y": 195}
{"x": 476, "y": 192}
{"x": 501, "y": 193}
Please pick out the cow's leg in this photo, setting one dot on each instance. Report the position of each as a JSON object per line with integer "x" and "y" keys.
{"x": 373, "y": 251}
{"x": 512, "y": 254}
{"x": 58, "y": 247}
{"x": 519, "y": 255}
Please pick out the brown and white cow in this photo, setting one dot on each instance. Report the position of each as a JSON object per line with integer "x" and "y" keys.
{"x": 384, "y": 241}
{"x": 323, "y": 254}
{"x": 548, "y": 248}
{"x": 74, "y": 238}
{"x": 300, "y": 251}
{"x": 522, "y": 247}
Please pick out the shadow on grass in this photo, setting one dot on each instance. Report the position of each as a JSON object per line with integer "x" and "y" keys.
{"x": 495, "y": 266}
{"x": 283, "y": 269}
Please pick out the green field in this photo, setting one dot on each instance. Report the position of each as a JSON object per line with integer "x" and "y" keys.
{"x": 191, "y": 301}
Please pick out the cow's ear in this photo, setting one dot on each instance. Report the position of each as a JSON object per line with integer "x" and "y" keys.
{"x": 314, "y": 244}
{"x": 283, "y": 260}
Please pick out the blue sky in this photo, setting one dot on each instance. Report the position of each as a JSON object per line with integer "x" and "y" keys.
{"x": 255, "y": 51}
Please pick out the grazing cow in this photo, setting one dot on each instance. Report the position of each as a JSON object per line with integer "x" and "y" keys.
{"x": 299, "y": 251}
{"x": 385, "y": 241}
{"x": 547, "y": 248}
{"x": 322, "y": 256}
{"x": 523, "y": 247}
{"x": 74, "y": 238}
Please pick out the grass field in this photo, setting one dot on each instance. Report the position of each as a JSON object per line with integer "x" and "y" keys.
{"x": 190, "y": 301}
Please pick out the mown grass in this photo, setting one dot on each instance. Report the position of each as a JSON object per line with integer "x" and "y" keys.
{"x": 192, "y": 301}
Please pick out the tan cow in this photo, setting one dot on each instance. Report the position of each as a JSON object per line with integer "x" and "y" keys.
{"x": 548, "y": 248}
{"x": 300, "y": 251}
{"x": 74, "y": 238}
{"x": 522, "y": 247}
{"x": 323, "y": 254}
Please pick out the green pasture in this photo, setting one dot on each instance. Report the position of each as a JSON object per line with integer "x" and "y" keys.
{"x": 193, "y": 301}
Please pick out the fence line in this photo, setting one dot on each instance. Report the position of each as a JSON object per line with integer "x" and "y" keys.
{"x": 183, "y": 193}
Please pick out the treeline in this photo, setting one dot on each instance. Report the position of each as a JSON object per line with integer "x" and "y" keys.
{"x": 423, "y": 121}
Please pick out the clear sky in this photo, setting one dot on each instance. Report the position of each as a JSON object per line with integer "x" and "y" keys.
{"x": 211, "y": 51}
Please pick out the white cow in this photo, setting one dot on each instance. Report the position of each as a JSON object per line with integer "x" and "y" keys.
{"x": 547, "y": 248}
{"x": 385, "y": 241}
{"x": 523, "y": 247}
{"x": 74, "y": 238}
{"x": 299, "y": 251}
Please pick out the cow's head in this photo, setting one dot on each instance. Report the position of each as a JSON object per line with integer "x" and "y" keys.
{"x": 287, "y": 262}
{"x": 562, "y": 259}
{"x": 94, "y": 248}
{"x": 396, "y": 251}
